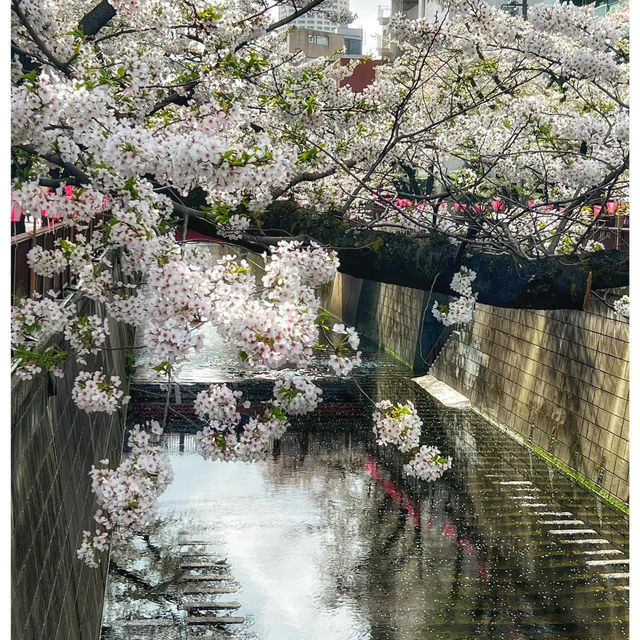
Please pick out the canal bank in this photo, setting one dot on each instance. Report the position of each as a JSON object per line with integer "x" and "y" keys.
{"x": 327, "y": 539}
{"x": 557, "y": 379}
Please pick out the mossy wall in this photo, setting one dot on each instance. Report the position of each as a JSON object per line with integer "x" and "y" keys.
{"x": 55, "y": 596}
{"x": 558, "y": 378}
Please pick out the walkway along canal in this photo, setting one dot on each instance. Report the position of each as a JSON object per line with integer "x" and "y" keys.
{"x": 326, "y": 540}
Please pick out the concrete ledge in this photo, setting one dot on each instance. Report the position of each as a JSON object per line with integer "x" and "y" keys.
{"x": 443, "y": 393}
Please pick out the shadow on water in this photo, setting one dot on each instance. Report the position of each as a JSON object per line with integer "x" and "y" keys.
{"x": 327, "y": 540}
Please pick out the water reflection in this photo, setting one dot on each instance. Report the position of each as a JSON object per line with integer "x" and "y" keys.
{"x": 327, "y": 541}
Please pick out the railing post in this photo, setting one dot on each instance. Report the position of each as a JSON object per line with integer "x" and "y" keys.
{"x": 32, "y": 273}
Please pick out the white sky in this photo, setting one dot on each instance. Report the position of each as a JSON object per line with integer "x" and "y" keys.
{"x": 367, "y": 11}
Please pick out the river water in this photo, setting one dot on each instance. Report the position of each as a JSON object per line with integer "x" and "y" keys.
{"x": 326, "y": 540}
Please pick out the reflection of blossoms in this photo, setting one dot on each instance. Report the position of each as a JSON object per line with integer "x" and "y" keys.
{"x": 427, "y": 464}
{"x": 398, "y": 425}
{"x": 127, "y": 496}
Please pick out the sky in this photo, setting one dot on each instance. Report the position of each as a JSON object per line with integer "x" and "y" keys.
{"x": 367, "y": 11}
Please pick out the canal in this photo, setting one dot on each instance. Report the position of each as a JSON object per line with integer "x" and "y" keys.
{"x": 326, "y": 540}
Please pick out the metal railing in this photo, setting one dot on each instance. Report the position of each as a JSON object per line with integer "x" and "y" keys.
{"x": 24, "y": 281}
{"x": 614, "y": 233}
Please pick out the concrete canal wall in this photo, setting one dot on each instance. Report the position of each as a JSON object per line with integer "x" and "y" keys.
{"x": 559, "y": 379}
{"x": 54, "y": 596}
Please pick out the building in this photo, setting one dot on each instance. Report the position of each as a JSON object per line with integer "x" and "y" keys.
{"x": 316, "y": 20}
{"x": 414, "y": 9}
{"x": 353, "y": 39}
{"x": 315, "y": 43}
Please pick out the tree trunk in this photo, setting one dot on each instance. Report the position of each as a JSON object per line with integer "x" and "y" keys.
{"x": 503, "y": 280}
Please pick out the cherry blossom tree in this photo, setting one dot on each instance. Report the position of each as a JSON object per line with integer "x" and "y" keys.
{"x": 487, "y": 154}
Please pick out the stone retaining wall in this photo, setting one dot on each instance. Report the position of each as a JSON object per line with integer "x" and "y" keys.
{"x": 392, "y": 316}
{"x": 558, "y": 378}
{"x": 55, "y": 596}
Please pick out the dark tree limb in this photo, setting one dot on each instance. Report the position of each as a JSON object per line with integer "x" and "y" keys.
{"x": 503, "y": 279}
{"x": 97, "y": 18}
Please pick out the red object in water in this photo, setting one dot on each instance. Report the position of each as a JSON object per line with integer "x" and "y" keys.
{"x": 449, "y": 530}
{"x": 372, "y": 468}
{"x": 467, "y": 546}
{"x": 413, "y": 512}
{"x": 391, "y": 490}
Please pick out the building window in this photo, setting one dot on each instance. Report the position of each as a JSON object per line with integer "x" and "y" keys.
{"x": 353, "y": 46}
{"x": 315, "y": 38}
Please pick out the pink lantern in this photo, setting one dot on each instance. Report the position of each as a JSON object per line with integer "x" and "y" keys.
{"x": 16, "y": 213}
{"x": 596, "y": 210}
{"x": 612, "y": 207}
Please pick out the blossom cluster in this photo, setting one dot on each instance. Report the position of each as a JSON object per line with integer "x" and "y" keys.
{"x": 234, "y": 227}
{"x": 621, "y": 306}
{"x": 218, "y": 404}
{"x": 398, "y": 425}
{"x": 427, "y": 464}
{"x": 37, "y": 318}
{"x": 46, "y": 263}
{"x": 231, "y": 436}
{"x": 459, "y": 310}
{"x": 127, "y": 496}
{"x": 296, "y": 393}
{"x": 86, "y": 334}
{"x": 94, "y": 393}
{"x": 292, "y": 266}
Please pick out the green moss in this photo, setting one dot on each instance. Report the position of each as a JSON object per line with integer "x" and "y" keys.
{"x": 560, "y": 466}
{"x": 397, "y": 357}
{"x": 129, "y": 366}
